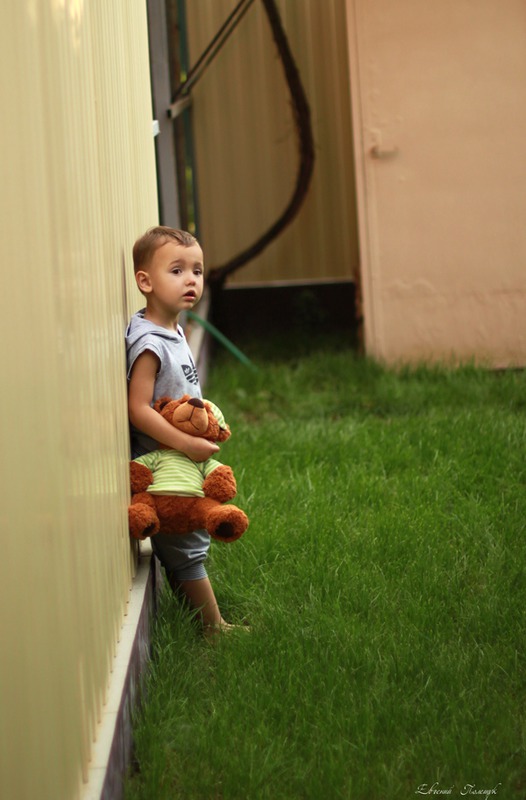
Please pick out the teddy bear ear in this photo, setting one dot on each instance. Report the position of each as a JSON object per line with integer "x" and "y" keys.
{"x": 161, "y": 403}
{"x": 224, "y": 434}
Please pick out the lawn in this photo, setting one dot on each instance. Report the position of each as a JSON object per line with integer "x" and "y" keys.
{"x": 383, "y": 579}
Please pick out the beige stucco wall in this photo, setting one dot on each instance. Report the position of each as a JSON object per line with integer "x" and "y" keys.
{"x": 438, "y": 88}
{"x": 78, "y": 186}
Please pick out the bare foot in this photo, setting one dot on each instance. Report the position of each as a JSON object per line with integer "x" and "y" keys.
{"x": 212, "y": 631}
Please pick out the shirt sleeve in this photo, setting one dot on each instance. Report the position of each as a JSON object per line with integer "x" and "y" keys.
{"x": 147, "y": 343}
{"x": 149, "y": 460}
{"x": 209, "y": 466}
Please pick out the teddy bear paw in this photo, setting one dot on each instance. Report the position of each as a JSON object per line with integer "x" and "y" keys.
{"x": 143, "y": 521}
{"x": 227, "y": 523}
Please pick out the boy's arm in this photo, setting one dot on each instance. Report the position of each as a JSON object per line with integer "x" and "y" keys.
{"x": 150, "y": 422}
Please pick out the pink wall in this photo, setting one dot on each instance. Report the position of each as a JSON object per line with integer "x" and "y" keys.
{"x": 439, "y": 108}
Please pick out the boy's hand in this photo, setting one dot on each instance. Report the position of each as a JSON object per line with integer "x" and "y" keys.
{"x": 199, "y": 449}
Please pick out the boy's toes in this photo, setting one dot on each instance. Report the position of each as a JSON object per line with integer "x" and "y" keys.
{"x": 213, "y": 631}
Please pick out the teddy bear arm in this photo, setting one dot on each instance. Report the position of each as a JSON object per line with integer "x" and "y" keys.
{"x": 140, "y": 477}
{"x": 220, "y": 484}
{"x": 142, "y": 516}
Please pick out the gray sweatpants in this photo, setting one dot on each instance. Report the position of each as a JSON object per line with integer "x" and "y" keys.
{"x": 183, "y": 557}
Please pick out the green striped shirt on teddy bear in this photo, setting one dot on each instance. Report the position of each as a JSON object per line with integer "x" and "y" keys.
{"x": 175, "y": 473}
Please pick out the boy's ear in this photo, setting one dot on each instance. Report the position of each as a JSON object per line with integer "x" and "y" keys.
{"x": 143, "y": 281}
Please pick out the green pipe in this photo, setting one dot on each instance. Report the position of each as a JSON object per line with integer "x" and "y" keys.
{"x": 223, "y": 339}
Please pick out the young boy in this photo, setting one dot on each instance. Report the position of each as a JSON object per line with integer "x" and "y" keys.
{"x": 169, "y": 272}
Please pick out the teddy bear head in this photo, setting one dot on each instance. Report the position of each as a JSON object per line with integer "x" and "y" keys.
{"x": 194, "y": 416}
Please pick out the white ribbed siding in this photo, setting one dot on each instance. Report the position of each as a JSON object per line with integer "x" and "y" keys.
{"x": 78, "y": 186}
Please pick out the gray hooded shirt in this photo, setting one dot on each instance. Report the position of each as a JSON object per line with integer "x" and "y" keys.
{"x": 177, "y": 374}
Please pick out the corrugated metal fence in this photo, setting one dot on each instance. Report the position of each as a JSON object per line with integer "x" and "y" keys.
{"x": 246, "y": 147}
{"x": 78, "y": 186}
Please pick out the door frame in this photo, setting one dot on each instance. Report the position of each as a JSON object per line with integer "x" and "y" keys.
{"x": 367, "y": 278}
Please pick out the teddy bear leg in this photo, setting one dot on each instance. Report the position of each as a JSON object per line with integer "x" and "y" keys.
{"x": 142, "y": 517}
{"x": 226, "y": 523}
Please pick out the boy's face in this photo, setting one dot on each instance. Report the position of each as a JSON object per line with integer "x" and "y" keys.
{"x": 172, "y": 282}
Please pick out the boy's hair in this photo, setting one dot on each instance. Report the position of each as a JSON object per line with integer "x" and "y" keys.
{"x": 149, "y": 242}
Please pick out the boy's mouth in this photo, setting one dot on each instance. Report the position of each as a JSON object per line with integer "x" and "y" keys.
{"x": 190, "y": 295}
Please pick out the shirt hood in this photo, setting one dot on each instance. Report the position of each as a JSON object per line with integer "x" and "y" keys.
{"x": 139, "y": 327}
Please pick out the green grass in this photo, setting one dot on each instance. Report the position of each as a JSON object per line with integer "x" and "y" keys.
{"x": 383, "y": 578}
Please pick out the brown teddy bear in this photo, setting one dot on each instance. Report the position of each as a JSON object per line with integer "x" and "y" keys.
{"x": 176, "y": 495}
